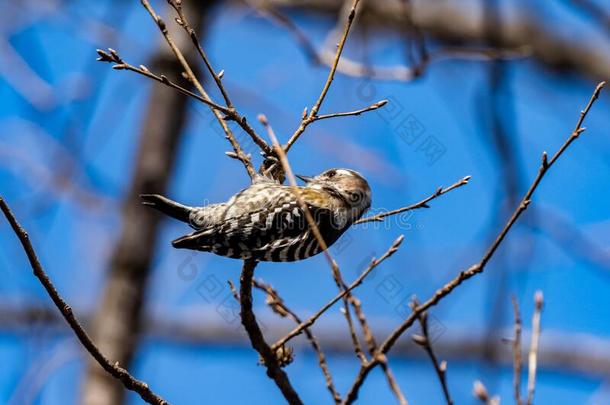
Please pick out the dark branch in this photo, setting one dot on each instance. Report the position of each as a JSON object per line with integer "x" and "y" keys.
{"x": 128, "y": 381}
{"x": 424, "y": 341}
{"x": 268, "y": 355}
{"x": 517, "y": 361}
{"x": 422, "y": 204}
{"x": 477, "y": 268}
{"x": 279, "y": 307}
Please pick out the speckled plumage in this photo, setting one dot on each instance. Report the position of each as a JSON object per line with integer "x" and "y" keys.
{"x": 265, "y": 221}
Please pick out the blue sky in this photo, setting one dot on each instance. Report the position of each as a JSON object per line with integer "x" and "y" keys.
{"x": 93, "y": 126}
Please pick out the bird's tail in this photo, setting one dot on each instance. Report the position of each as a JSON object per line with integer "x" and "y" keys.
{"x": 191, "y": 241}
{"x": 167, "y": 206}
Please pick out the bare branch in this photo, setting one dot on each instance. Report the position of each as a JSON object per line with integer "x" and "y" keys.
{"x": 532, "y": 360}
{"x": 313, "y": 227}
{"x": 369, "y": 339}
{"x": 128, "y": 381}
{"x": 268, "y": 355}
{"x": 422, "y": 204}
{"x": 193, "y": 79}
{"x": 477, "y": 268}
{"x": 234, "y": 114}
{"x": 310, "y": 321}
{"x": 183, "y": 22}
{"x": 517, "y": 361}
{"x": 311, "y": 117}
{"x": 278, "y": 306}
{"x": 524, "y": 33}
{"x": 112, "y": 56}
{"x": 372, "y": 107}
{"x": 350, "y": 67}
{"x": 424, "y": 341}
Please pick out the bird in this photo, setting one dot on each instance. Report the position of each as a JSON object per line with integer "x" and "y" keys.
{"x": 266, "y": 221}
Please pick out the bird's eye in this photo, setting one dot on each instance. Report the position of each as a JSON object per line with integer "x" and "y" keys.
{"x": 331, "y": 174}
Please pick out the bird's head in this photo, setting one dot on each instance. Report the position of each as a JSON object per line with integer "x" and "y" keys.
{"x": 348, "y": 186}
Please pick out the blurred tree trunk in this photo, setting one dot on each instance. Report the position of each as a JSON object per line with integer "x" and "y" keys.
{"x": 117, "y": 323}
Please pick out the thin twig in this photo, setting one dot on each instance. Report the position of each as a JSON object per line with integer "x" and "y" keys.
{"x": 233, "y": 114}
{"x": 422, "y": 204}
{"x": 424, "y": 341}
{"x": 533, "y": 354}
{"x": 245, "y": 159}
{"x": 372, "y": 107}
{"x": 128, "y": 381}
{"x": 369, "y": 339}
{"x": 517, "y": 361}
{"x": 477, "y": 268}
{"x": 310, "y": 321}
{"x": 183, "y": 22}
{"x": 309, "y": 118}
{"x": 248, "y": 319}
{"x": 112, "y": 56}
{"x": 316, "y": 232}
{"x": 277, "y": 304}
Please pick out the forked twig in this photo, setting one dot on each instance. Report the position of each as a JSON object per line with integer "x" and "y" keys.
{"x": 311, "y": 117}
{"x": 313, "y": 227}
{"x": 424, "y": 341}
{"x": 477, "y": 268}
{"x": 183, "y": 22}
{"x": 310, "y": 321}
{"x": 233, "y": 113}
{"x": 369, "y": 339}
{"x": 278, "y": 306}
{"x": 112, "y": 56}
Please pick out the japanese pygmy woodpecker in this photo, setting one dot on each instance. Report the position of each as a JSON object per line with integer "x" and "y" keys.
{"x": 265, "y": 221}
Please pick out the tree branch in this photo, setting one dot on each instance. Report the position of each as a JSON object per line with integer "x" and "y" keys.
{"x": 128, "y": 381}
{"x": 424, "y": 341}
{"x": 372, "y": 107}
{"x": 480, "y": 266}
{"x": 369, "y": 339}
{"x": 310, "y": 321}
{"x": 112, "y": 56}
{"x": 517, "y": 361}
{"x": 193, "y": 79}
{"x": 311, "y": 117}
{"x": 233, "y": 114}
{"x": 532, "y": 360}
{"x": 268, "y": 355}
{"x": 350, "y": 67}
{"x": 183, "y": 22}
{"x": 313, "y": 227}
{"x": 279, "y": 307}
{"x": 422, "y": 204}
{"x": 523, "y": 34}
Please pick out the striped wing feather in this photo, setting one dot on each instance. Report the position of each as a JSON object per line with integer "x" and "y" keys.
{"x": 276, "y": 231}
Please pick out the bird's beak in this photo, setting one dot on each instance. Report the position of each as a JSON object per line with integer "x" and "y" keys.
{"x": 306, "y": 179}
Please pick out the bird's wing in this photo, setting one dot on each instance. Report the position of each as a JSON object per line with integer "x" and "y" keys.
{"x": 277, "y": 222}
